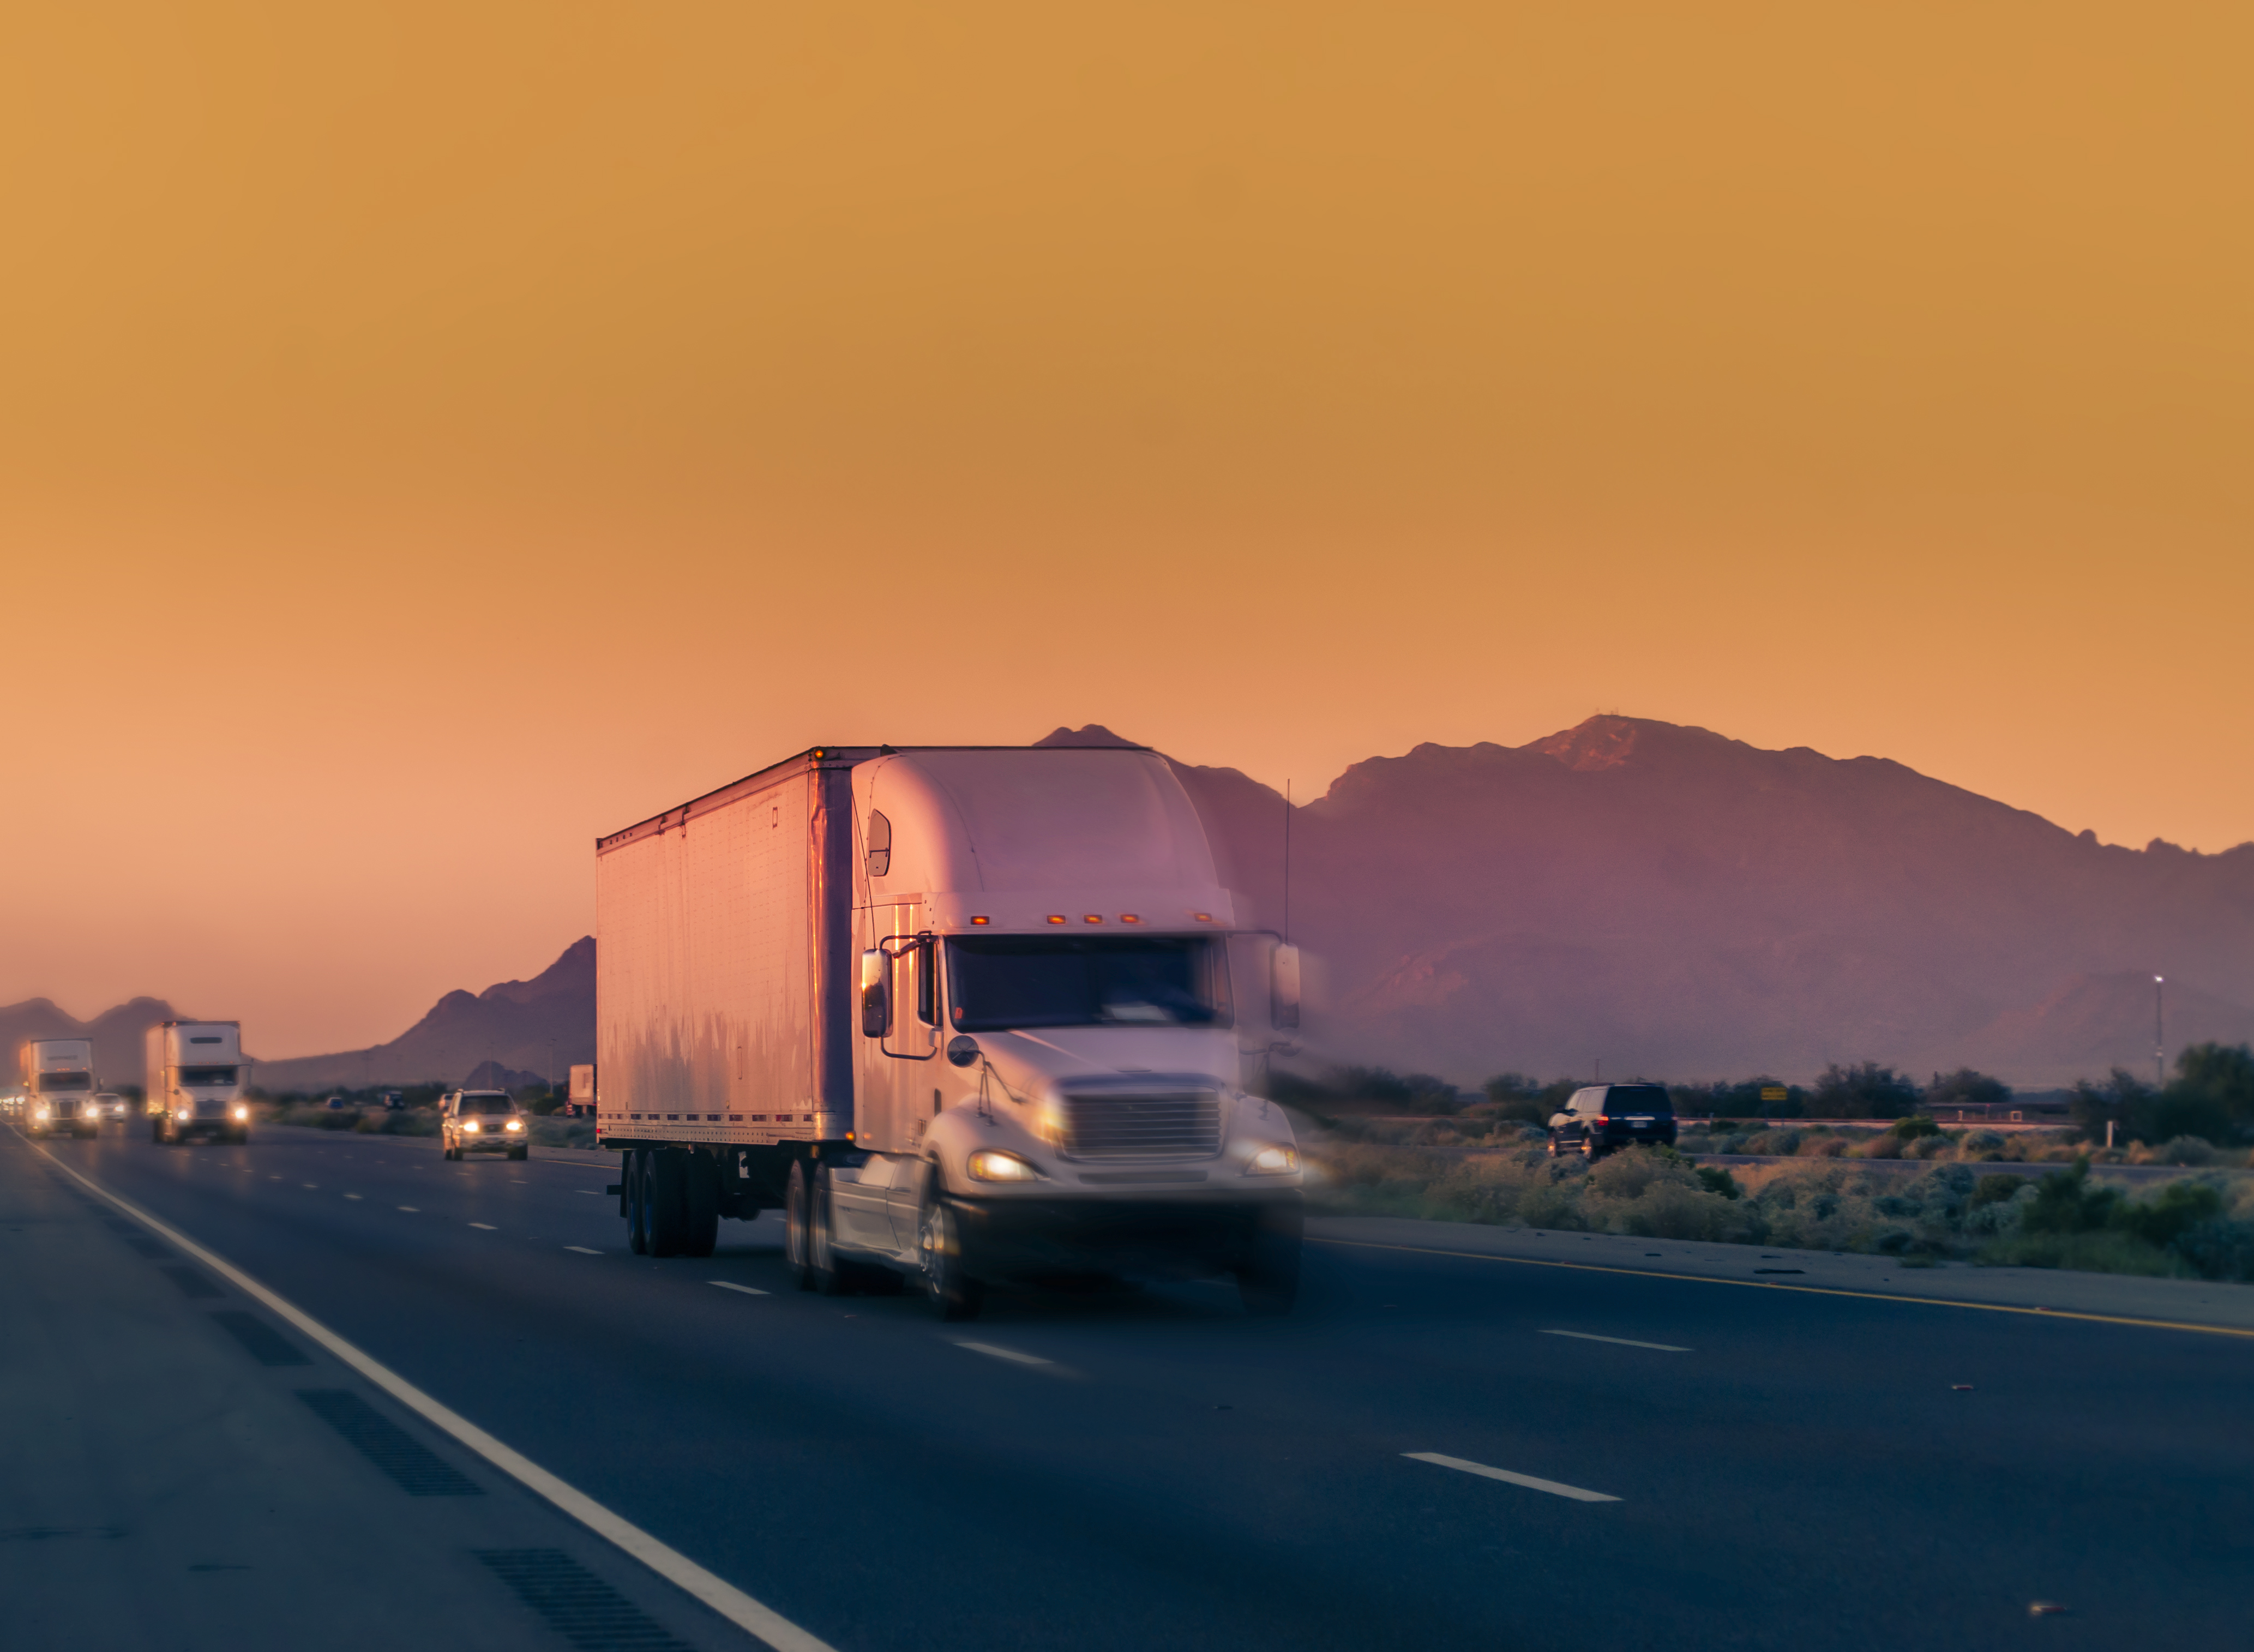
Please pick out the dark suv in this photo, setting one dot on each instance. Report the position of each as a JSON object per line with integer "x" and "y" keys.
{"x": 1603, "y": 1116}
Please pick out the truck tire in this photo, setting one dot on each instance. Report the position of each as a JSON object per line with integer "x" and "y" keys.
{"x": 797, "y": 1213}
{"x": 665, "y": 1194}
{"x": 156, "y": 1132}
{"x": 1268, "y": 1281}
{"x": 701, "y": 1229}
{"x": 832, "y": 1276}
{"x": 951, "y": 1289}
{"x": 635, "y": 1194}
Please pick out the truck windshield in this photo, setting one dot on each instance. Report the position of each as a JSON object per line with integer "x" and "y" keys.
{"x": 50, "y": 1082}
{"x": 1001, "y": 982}
{"x": 207, "y": 1075}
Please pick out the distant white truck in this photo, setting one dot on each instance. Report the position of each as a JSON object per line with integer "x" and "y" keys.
{"x": 196, "y": 1081}
{"x": 58, "y": 1088}
{"x": 963, "y": 1013}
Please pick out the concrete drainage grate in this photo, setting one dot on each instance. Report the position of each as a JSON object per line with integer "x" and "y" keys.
{"x": 262, "y": 1342}
{"x": 420, "y": 1471}
{"x": 576, "y": 1604}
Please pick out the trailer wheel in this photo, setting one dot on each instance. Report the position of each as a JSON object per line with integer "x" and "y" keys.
{"x": 156, "y": 1132}
{"x": 665, "y": 1194}
{"x": 1267, "y": 1283}
{"x": 636, "y": 1198}
{"x": 797, "y": 1211}
{"x": 831, "y": 1276}
{"x": 952, "y": 1293}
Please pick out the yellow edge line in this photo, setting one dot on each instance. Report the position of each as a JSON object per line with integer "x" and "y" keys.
{"x": 1806, "y": 1290}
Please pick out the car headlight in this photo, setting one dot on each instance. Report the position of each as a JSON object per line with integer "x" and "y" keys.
{"x": 515, "y": 1124}
{"x": 242, "y": 1113}
{"x": 471, "y": 1127}
{"x": 1273, "y": 1161}
{"x": 990, "y": 1164}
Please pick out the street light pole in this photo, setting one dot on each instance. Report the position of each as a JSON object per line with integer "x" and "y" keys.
{"x": 2159, "y": 1037}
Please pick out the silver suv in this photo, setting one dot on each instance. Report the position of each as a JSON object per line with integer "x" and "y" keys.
{"x": 481, "y": 1122}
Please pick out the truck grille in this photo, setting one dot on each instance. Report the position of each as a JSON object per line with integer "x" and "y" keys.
{"x": 1129, "y": 1126}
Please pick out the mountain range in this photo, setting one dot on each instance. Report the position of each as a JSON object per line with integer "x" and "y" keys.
{"x": 1671, "y": 902}
{"x": 1659, "y": 898}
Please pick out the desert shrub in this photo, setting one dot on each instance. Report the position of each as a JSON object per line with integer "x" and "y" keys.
{"x": 1671, "y": 1210}
{"x": 1829, "y": 1147}
{"x": 1911, "y": 1128}
{"x": 1982, "y": 1144}
{"x": 1716, "y": 1179}
{"x": 2180, "y": 1206}
{"x": 2065, "y": 1202}
{"x": 1626, "y": 1175}
{"x": 1996, "y": 1190}
{"x": 2220, "y": 1249}
{"x": 2101, "y": 1251}
{"x": 2180, "y": 1150}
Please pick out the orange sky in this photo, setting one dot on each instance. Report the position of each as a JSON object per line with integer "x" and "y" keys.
{"x": 432, "y": 434}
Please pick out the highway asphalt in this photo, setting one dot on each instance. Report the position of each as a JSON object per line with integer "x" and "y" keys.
{"x": 1413, "y": 1459}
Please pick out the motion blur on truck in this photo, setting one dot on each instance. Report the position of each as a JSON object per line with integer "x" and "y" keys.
{"x": 965, "y": 1015}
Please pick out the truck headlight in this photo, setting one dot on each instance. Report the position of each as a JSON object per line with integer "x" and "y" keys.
{"x": 471, "y": 1128}
{"x": 1273, "y": 1161}
{"x": 515, "y": 1124}
{"x": 990, "y": 1164}
{"x": 242, "y": 1113}
{"x": 43, "y": 1114}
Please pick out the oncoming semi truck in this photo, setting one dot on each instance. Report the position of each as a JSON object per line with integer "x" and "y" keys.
{"x": 195, "y": 1082}
{"x": 963, "y": 1014}
{"x": 57, "y": 1076}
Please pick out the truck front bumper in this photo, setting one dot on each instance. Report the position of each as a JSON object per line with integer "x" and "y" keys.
{"x": 1151, "y": 1238}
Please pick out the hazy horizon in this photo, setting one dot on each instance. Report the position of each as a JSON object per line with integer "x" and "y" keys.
{"x": 433, "y": 435}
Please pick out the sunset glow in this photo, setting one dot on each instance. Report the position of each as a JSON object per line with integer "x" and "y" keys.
{"x": 432, "y": 436}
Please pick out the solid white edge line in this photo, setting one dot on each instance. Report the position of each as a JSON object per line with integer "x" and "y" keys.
{"x": 1005, "y": 1354}
{"x": 583, "y": 1250}
{"x": 1554, "y": 1487}
{"x": 730, "y": 1284}
{"x": 488, "y": 1226}
{"x": 1621, "y": 1342}
{"x": 731, "y": 1603}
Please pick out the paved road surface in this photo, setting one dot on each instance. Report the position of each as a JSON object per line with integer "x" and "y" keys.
{"x": 1121, "y": 1470}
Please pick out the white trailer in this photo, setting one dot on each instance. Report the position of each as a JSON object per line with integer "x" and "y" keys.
{"x": 196, "y": 1081}
{"x": 963, "y": 1013}
{"x": 58, "y": 1077}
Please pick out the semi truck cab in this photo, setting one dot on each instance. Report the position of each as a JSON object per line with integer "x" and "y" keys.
{"x": 196, "y": 1083}
{"x": 59, "y": 1088}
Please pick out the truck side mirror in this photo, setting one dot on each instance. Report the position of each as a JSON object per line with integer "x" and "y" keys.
{"x": 875, "y": 994}
{"x": 1284, "y": 987}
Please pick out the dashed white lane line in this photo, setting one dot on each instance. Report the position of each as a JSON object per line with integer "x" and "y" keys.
{"x": 730, "y": 1284}
{"x": 583, "y": 1250}
{"x": 311, "y": 1186}
{"x": 415, "y": 1210}
{"x": 1618, "y": 1341}
{"x": 352, "y": 1195}
{"x": 991, "y": 1351}
{"x": 1554, "y": 1487}
{"x": 488, "y": 1226}
{"x": 589, "y": 1191}
{"x": 753, "y": 1617}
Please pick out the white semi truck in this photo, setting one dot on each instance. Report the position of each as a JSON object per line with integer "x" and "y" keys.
{"x": 57, "y": 1076}
{"x": 963, "y": 1014}
{"x": 195, "y": 1082}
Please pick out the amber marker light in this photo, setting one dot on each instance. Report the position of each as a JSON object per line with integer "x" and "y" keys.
{"x": 1056, "y": 917}
{"x": 980, "y": 920}
{"x": 1129, "y": 917}
{"x": 1202, "y": 917}
{"x": 1093, "y": 917}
